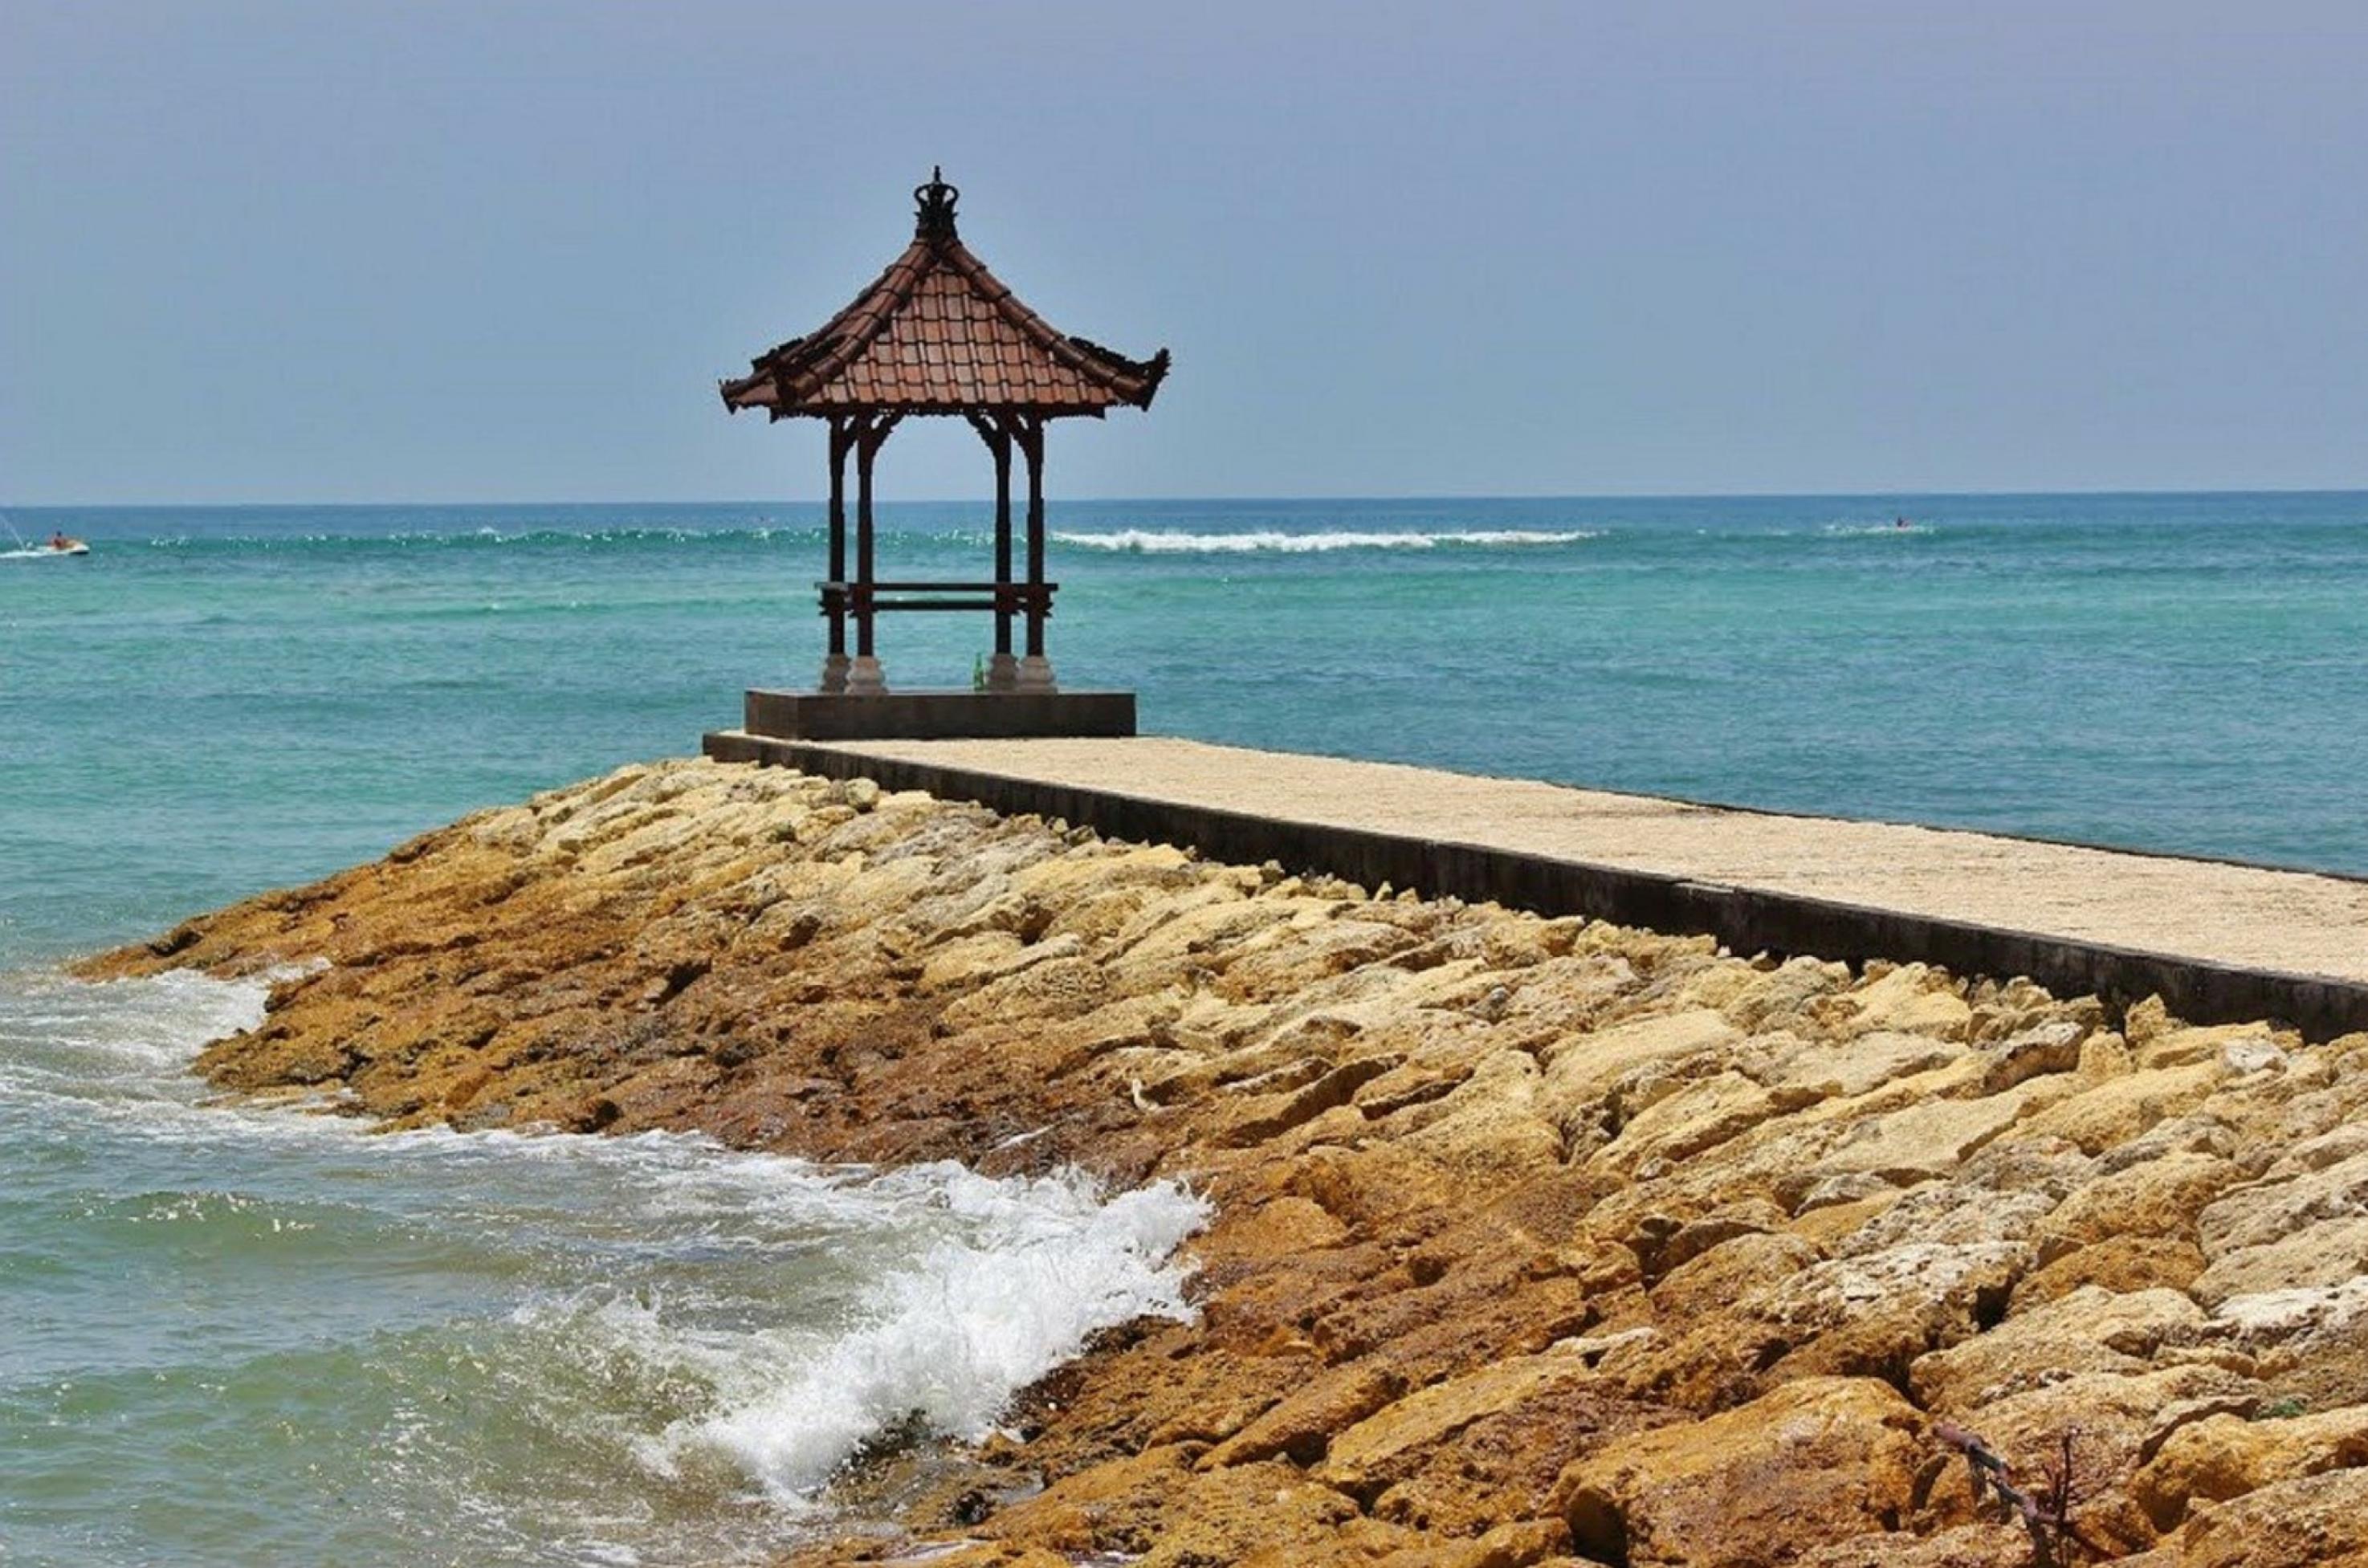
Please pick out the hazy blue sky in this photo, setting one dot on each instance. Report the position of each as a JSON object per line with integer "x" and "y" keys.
{"x": 346, "y": 251}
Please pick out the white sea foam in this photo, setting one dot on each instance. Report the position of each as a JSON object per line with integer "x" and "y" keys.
{"x": 150, "y": 1026}
{"x": 1157, "y": 542}
{"x": 1872, "y": 531}
{"x": 1036, "y": 1266}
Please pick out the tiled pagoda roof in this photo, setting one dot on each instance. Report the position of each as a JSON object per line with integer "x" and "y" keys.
{"x": 939, "y": 333}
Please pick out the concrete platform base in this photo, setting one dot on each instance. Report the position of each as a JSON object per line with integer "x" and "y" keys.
{"x": 854, "y": 715}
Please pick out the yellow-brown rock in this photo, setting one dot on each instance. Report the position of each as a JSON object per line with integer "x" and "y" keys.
{"x": 1818, "y": 1461}
{"x": 1535, "y": 1240}
{"x": 2313, "y": 1521}
{"x": 2228, "y": 1456}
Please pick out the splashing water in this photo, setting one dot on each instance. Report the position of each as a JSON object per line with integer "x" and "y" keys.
{"x": 264, "y": 1336}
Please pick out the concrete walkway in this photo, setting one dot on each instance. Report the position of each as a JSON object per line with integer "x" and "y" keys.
{"x": 2207, "y": 914}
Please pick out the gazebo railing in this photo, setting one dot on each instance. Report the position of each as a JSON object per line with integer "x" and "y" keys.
{"x": 861, "y": 599}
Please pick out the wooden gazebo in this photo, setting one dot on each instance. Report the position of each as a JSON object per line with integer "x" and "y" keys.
{"x": 938, "y": 334}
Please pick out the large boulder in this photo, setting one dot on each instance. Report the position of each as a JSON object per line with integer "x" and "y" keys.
{"x": 1934, "y": 1138}
{"x": 2311, "y": 1521}
{"x": 2327, "y": 1254}
{"x": 2091, "y": 1329}
{"x": 2157, "y": 1197}
{"x": 1841, "y": 1069}
{"x": 1816, "y": 1461}
{"x": 1388, "y": 1445}
{"x": 2122, "y": 1109}
{"x": 1582, "y": 1069}
{"x": 2227, "y": 1456}
{"x": 1874, "y": 1313}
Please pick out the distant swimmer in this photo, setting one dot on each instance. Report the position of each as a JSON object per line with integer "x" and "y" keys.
{"x": 1899, "y": 522}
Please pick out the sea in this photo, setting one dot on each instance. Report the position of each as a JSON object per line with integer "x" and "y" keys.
{"x": 271, "y": 1338}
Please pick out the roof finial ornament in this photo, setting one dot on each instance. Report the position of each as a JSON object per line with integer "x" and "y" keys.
{"x": 937, "y": 201}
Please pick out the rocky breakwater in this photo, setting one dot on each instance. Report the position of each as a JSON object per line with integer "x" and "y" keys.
{"x": 1535, "y": 1240}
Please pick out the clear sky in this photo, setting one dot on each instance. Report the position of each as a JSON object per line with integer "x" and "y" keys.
{"x": 411, "y": 250}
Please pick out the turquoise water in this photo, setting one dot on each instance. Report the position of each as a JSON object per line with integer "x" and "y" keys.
{"x": 216, "y": 701}
{"x": 239, "y": 1336}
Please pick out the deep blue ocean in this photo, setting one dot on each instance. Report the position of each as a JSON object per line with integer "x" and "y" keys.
{"x": 260, "y": 1338}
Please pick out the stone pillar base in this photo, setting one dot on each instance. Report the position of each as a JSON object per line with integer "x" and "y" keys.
{"x": 1002, "y": 673}
{"x": 863, "y": 678}
{"x": 833, "y": 674}
{"x": 1036, "y": 674}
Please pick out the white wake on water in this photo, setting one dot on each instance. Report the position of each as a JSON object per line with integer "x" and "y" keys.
{"x": 1156, "y": 541}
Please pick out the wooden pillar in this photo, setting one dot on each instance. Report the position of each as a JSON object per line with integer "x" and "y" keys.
{"x": 865, "y": 450}
{"x": 1003, "y": 536}
{"x": 1035, "y": 670}
{"x": 863, "y": 674}
{"x": 995, "y": 431}
{"x": 833, "y": 598}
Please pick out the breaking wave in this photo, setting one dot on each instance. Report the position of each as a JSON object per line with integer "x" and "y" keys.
{"x": 1154, "y": 542}
{"x": 942, "y": 1343}
{"x": 649, "y": 1348}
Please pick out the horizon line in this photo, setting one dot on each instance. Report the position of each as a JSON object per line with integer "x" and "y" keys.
{"x": 1216, "y": 499}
